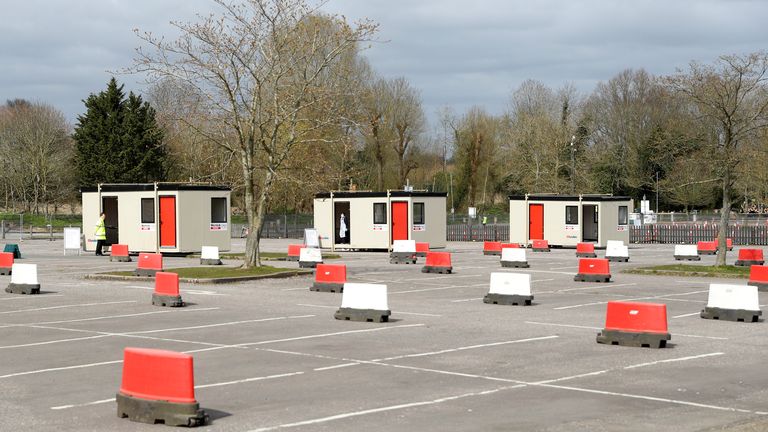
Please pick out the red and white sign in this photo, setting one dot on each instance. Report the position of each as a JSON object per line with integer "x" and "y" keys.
{"x": 218, "y": 227}
{"x": 420, "y": 227}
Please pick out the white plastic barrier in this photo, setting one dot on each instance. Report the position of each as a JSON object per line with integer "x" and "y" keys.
{"x": 404, "y": 246}
{"x": 310, "y": 255}
{"x": 71, "y": 240}
{"x": 686, "y": 251}
{"x": 210, "y": 253}
{"x": 513, "y": 255}
{"x": 616, "y": 249}
{"x": 364, "y": 296}
{"x": 510, "y": 284}
{"x": 733, "y": 297}
{"x": 24, "y": 274}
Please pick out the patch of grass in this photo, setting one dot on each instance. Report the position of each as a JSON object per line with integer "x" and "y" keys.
{"x": 212, "y": 272}
{"x": 693, "y": 270}
{"x": 267, "y": 256}
{"x": 57, "y": 220}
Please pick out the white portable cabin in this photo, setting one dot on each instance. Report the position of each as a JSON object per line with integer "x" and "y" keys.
{"x": 374, "y": 220}
{"x": 565, "y": 220}
{"x": 159, "y": 217}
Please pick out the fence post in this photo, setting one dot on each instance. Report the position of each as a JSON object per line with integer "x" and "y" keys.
{"x": 2, "y": 227}
{"x": 50, "y": 231}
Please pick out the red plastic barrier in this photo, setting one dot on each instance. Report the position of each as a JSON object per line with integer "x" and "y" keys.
{"x": 331, "y": 273}
{"x": 510, "y": 245}
{"x": 438, "y": 259}
{"x": 6, "y": 259}
{"x": 150, "y": 261}
{"x": 166, "y": 284}
{"x": 585, "y": 248}
{"x": 541, "y": 244}
{"x": 158, "y": 375}
{"x": 729, "y": 244}
{"x": 706, "y": 246}
{"x": 751, "y": 255}
{"x": 490, "y": 246}
{"x": 422, "y": 247}
{"x": 636, "y": 317}
{"x": 594, "y": 266}
{"x": 758, "y": 274}
{"x": 119, "y": 250}
{"x": 294, "y": 249}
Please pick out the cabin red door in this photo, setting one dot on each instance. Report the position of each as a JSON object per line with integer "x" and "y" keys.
{"x": 536, "y": 221}
{"x": 399, "y": 220}
{"x": 167, "y": 221}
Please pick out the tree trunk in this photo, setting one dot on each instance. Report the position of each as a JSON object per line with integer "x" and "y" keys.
{"x": 251, "y": 242}
{"x": 725, "y": 215}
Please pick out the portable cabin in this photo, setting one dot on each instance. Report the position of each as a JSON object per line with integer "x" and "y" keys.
{"x": 159, "y": 217}
{"x": 565, "y": 220}
{"x": 373, "y": 220}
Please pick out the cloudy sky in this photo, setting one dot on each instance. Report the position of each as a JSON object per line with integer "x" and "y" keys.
{"x": 458, "y": 53}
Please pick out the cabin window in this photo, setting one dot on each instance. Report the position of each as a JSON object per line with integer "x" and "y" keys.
{"x": 623, "y": 215}
{"x": 147, "y": 210}
{"x": 218, "y": 210}
{"x": 418, "y": 213}
{"x": 571, "y": 215}
{"x": 379, "y": 213}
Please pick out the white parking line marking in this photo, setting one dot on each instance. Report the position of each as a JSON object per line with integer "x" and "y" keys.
{"x": 464, "y": 348}
{"x": 394, "y": 312}
{"x": 67, "y": 306}
{"x": 687, "y": 315}
{"x": 247, "y": 380}
{"x": 674, "y": 360}
{"x": 115, "y": 316}
{"x": 438, "y": 288}
{"x": 600, "y": 328}
{"x": 665, "y": 296}
{"x": 22, "y": 297}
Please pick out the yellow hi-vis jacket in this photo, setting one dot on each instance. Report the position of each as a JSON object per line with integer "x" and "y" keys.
{"x": 101, "y": 230}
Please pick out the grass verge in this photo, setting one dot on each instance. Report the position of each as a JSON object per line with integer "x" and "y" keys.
{"x": 267, "y": 256}
{"x": 693, "y": 270}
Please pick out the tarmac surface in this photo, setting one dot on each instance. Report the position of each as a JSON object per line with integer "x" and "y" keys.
{"x": 270, "y": 356}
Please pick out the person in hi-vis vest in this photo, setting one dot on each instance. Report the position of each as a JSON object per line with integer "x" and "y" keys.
{"x": 100, "y": 233}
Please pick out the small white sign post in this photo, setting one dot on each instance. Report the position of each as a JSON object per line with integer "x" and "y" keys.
{"x": 71, "y": 240}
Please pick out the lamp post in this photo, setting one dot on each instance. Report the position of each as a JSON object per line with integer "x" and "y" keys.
{"x": 573, "y": 165}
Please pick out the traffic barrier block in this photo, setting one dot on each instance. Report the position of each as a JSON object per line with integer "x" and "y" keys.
{"x": 540, "y": 246}
{"x": 14, "y": 249}
{"x": 364, "y": 302}
{"x": 421, "y": 249}
{"x": 509, "y": 245}
{"x": 750, "y": 257}
{"x": 732, "y": 303}
{"x": 158, "y": 386}
{"x": 593, "y": 270}
{"x": 615, "y": 251}
{"x": 23, "y": 279}
{"x": 6, "y": 263}
{"x": 330, "y": 278}
{"x": 209, "y": 255}
{"x": 294, "y": 251}
{"x": 706, "y": 248}
{"x": 516, "y": 258}
{"x": 403, "y": 252}
{"x": 686, "y": 253}
{"x": 729, "y": 244}
{"x": 758, "y": 276}
{"x": 491, "y": 248}
{"x": 119, "y": 253}
{"x": 585, "y": 250}
{"x": 635, "y": 324}
{"x": 167, "y": 290}
{"x": 149, "y": 264}
{"x": 438, "y": 262}
{"x": 310, "y": 257}
{"x": 509, "y": 289}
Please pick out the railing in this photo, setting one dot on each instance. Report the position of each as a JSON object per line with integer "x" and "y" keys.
{"x": 692, "y": 233}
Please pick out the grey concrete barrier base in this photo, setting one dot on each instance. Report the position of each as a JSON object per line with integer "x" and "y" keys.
{"x": 155, "y": 411}
{"x": 586, "y": 255}
{"x": 687, "y": 258}
{"x": 617, "y": 259}
{"x": 167, "y": 301}
{"x": 23, "y": 288}
{"x": 731, "y": 314}
{"x": 421, "y": 254}
{"x": 402, "y": 258}
{"x": 145, "y": 272}
{"x": 540, "y": 250}
{"x": 327, "y": 287}
{"x": 761, "y": 286}
{"x": 747, "y": 263}
{"x": 309, "y": 264}
{"x": 714, "y": 252}
{"x": 5, "y": 271}
{"x": 364, "y": 315}
{"x": 515, "y": 264}
{"x": 125, "y": 258}
{"x": 633, "y": 339}
{"x": 493, "y": 253}
{"x": 435, "y": 269}
{"x": 583, "y": 277}
{"x": 508, "y": 299}
{"x": 292, "y": 258}
{"x": 210, "y": 261}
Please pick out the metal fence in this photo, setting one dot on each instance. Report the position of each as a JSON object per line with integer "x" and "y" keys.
{"x": 692, "y": 233}
{"x": 465, "y": 232}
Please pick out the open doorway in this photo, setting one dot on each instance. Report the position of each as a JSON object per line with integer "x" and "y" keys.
{"x": 341, "y": 223}
{"x": 591, "y": 223}
{"x": 109, "y": 206}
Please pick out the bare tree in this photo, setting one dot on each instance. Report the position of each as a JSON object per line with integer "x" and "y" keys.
{"x": 269, "y": 72}
{"x": 731, "y": 99}
{"x": 406, "y": 118}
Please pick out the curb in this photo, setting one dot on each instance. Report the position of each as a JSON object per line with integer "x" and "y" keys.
{"x": 213, "y": 281}
{"x": 684, "y": 274}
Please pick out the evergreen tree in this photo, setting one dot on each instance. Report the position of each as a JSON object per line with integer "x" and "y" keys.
{"x": 118, "y": 140}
